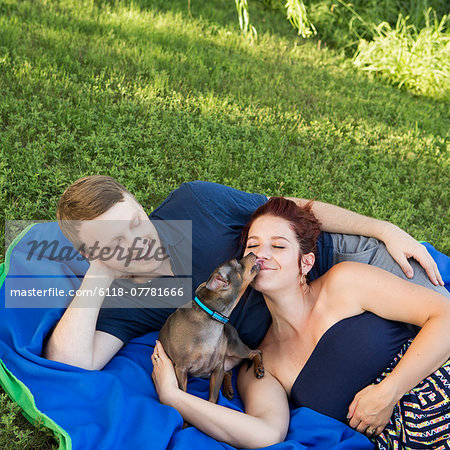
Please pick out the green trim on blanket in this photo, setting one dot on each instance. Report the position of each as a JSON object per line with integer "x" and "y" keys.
{"x": 24, "y": 398}
{"x": 18, "y": 391}
{"x": 4, "y": 269}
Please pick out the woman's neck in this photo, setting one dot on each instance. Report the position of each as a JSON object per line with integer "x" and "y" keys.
{"x": 290, "y": 310}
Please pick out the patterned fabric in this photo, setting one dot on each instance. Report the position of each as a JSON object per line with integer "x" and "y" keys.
{"x": 421, "y": 419}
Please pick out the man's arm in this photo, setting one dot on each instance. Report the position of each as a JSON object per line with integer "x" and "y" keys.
{"x": 75, "y": 340}
{"x": 399, "y": 244}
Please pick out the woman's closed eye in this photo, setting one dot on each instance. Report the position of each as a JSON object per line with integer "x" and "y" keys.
{"x": 255, "y": 245}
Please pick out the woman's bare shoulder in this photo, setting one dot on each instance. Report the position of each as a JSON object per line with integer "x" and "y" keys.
{"x": 344, "y": 274}
{"x": 346, "y": 268}
{"x": 337, "y": 287}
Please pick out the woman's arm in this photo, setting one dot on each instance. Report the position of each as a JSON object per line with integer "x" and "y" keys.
{"x": 399, "y": 244}
{"x": 368, "y": 288}
{"x": 266, "y": 418}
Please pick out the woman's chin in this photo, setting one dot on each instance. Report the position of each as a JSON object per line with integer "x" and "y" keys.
{"x": 258, "y": 285}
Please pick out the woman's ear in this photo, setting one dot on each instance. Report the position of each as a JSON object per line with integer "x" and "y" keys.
{"x": 307, "y": 262}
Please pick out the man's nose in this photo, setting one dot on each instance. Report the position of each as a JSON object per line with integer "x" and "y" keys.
{"x": 132, "y": 241}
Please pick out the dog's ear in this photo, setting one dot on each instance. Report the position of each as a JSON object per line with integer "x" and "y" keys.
{"x": 216, "y": 282}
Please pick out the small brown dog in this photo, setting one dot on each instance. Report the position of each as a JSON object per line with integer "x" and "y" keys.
{"x": 200, "y": 341}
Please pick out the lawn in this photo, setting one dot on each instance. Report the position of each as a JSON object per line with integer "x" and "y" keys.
{"x": 155, "y": 95}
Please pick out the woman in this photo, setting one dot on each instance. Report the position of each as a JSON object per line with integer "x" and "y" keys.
{"x": 328, "y": 342}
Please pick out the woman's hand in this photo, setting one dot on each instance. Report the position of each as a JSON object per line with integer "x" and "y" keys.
{"x": 163, "y": 375}
{"x": 371, "y": 410}
{"x": 402, "y": 246}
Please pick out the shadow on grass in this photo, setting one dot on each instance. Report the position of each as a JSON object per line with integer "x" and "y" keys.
{"x": 301, "y": 79}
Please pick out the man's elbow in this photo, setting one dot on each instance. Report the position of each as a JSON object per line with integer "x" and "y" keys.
{"x": 53, "y": 353}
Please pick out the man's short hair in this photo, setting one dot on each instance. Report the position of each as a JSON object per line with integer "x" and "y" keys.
{"x": 86, "y": 199}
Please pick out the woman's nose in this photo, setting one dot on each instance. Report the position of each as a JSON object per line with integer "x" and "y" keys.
{"x": 262, "y": 253}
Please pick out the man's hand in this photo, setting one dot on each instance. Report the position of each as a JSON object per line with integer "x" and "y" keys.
{"x": 402, "y": 246}
{"x": 98, "y": 268}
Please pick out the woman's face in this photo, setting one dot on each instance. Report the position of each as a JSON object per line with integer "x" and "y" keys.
{"x": 272, "y": 240}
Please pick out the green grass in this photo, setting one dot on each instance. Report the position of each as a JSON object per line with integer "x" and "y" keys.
{"x": 145, "y": 93}
{"x": 16, "y": 432}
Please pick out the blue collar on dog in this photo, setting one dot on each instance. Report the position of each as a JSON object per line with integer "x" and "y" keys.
{"x": 214, "y": 314}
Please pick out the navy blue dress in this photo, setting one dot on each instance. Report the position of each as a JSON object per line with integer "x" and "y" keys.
{"x": 348, "y": 357}
{"x": 361, "y": 350}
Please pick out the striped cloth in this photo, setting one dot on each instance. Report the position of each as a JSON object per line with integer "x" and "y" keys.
{"x": 421, "y": 419}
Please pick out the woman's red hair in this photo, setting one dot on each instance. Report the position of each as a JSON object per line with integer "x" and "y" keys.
{"x": 301, "y": 219}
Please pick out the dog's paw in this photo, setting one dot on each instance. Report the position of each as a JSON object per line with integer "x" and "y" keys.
{"x": 228, "y": 393}
{"x": 259, "y": 371}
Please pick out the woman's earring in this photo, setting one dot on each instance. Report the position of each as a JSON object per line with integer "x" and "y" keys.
{"x": 303, "y": 280}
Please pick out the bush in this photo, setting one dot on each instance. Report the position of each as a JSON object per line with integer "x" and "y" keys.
{"x": 418, "y": 60}
{"x": 341, "y": 24}
{"x": 406, "y": 48}
{"x": 295, "y": 11}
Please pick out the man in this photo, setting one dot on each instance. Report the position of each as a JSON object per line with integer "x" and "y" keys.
{"x": 97, "y": 213}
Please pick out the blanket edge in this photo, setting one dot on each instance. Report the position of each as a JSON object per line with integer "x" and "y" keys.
{"x": 17, "y": 391}
{"x": 20, "y": 394}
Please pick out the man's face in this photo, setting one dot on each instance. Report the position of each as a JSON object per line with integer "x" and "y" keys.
{"x": 124, "y": 239}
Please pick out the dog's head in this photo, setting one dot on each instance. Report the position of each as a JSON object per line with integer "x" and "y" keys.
{"x": 229, "y": 281}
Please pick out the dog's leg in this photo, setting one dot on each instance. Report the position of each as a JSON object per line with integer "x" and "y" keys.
{"x": 182, "y": 384}
{"x": 258, "y": 366}
{"x": 227, "y": 389}
{"x": 215, "y": 382}
{"x": 236, "y": 348}
{"x": 182, "y": 378}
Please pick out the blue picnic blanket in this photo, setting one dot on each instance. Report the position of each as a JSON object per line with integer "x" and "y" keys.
{"x": 117, "y": 407}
